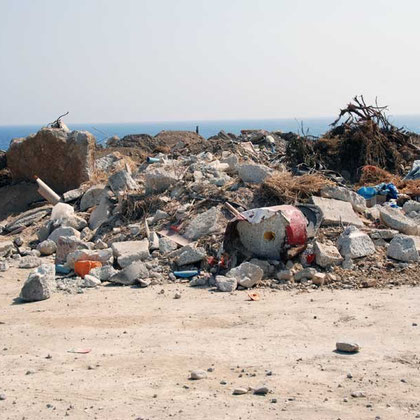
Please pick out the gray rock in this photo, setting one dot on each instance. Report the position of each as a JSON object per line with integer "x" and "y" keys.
{"x": 92, "y": 197}
{"x": 253, "y": 173}
{"x": 354, "y": 243}
{"x": 347, "y": 347}
{"x": 122, "y": 181}
{"x": 403, "y": 248}
{"x": 27, "y": 218}
{"x": 226, "y": 284}
{"x": 63, "y": 231}
{"x": 47, "y": 247}
{"x": 29, "y": 261}
{"x": 285, "y": 275}
{"x": 326, "y": 255}
{"x": 131, "y": 274}
{"x": 103, "y": 273}
{"x": 4, "y": 266}
{"x": 153, "y": 241}
{"x": 358, "y": 394}
{"x": 158, "y": 180}
{"x": 75, "y": 222}
{"x": 90, "y": 281}
{"x": 66, "y": 245}
{"x": 205, "y": 223}
{"x": 265, "y": 266}
{"x": 144, "y": 282}
{"x": 72, "y": 195}
{"x": 261, "y": 390}
{"x": 190, "y": 255}
{"x": 198, "y": 374}
{"x": 166, "y": 245}
{"x": 344, "y": 194}
{"x": 199, "y": 281}
{"x": 102, "y": 255}
{"x": 40, "y": 284}
{"x": 130, "y": 251}
{"x": 247, "y": 274}
{"x": 100, "y": 244}
{"x": 101, "y": 212}
{"x": 396, "y": 219}
{"x": 410, "y": 206}
{"x": 240, "y": 391}
{"x": 336, "y": 212}
{"x": 347, "y": 264}
{"x": 18, "y": 241}
{"x": 160, "y": 215}
{"x": 307, "y": 273}
{"x": 135, "y": 229}
{"x": 386, "y": 234}
{"x": 6, "y": 247}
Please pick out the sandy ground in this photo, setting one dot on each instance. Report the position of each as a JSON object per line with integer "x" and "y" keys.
{"x": 144, "y": 343}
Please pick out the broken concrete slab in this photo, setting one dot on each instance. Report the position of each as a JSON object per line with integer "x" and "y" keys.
{"x": 72, "y": 195}
{"x": 253, "y": 173}
{"x": 345, "y": 194}
{"x": 190, "y": 255}
{"x": 29, "y": 261}
{"x": 353, "y": 243}
{"x": 121, "y": 182}
{"x": 91, "y": 197}
{"x": 63, "y": 231}
{"x": 131, "y": 274}
{"x": 158, "y": 180}
{"x": 226, "y": 284}
{"x": 326, "y": 255}
{"x": 386, "y": 234}
{"x": 247, "y": 274}
{"x": 166, "y": 245}
{"x": 68, "y": 244}
{"x": 403, "y": 248}
{"x": 209, "y": 222}
{"x": 336, "y": 212}
{"x": 40, "y": 284}
{"x": 129, "y": 251}
{"x": 396, "y": 219}
{"x": 101, "y": 213}
{"x": 103, "y": 273}
{"x": 28, "y": 218}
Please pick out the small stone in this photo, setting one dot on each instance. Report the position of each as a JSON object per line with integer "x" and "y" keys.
{"x": 240, "y": 391}
{"x": 4, "y": 266}
{"x": 273, "y": 400}
{"x": 347, "y": 347}
{"x": 177, "y": 296}
{"x": 358, "y": 394}
{"x": 2, "y": 397}
{"x": 47, "y": 247}
{"x": 226, "y": 284}
{"x": 261, "y": 390}
{"x": 198, "y": 374}
{"x": 349, "y": 376}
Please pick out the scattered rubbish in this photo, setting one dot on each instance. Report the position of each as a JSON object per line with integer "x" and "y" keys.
{"x": 254, "y": 296}
{"x": 79, "y": 351}
{"x": 46, "y": 192}
{"x": 62, "y": 269}
{"x": 83, "y": 267}
{"x": 187, "y": 273}
{"x": 152, "y": 160}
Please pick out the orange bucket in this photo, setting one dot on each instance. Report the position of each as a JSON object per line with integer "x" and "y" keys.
{"x": 83, "y": 267}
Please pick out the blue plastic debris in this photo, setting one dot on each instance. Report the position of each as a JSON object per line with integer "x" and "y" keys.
{"x": 187, "y": 273}
{"x": 390, "y": 190}
{"x": 62, "y": 269}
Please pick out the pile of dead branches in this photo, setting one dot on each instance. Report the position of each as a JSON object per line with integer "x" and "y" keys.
{"x": 364, "y": 137}
{"x": 289, "y": 189}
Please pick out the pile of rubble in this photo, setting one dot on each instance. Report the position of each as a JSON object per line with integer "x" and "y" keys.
{"x": 224, "y": 213}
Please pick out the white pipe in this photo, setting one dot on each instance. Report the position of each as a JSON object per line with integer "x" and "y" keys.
{"x": 47, "y": 192}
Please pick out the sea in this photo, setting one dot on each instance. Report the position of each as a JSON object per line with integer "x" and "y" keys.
{"x": 102, "y": 131}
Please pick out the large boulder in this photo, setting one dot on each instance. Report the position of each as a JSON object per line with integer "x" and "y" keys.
{"x": 63, "y": 159}
{"x": 396, "y": 219}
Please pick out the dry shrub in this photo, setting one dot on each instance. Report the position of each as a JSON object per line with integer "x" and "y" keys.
{"x": 137, "y": 206}
{"x": 289, "y": 189}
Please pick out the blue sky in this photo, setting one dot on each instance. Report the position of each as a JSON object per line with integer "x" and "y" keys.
{"x": 160, "y": 60}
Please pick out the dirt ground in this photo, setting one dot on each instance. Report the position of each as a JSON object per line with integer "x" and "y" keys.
{"x": 144, "y": 343}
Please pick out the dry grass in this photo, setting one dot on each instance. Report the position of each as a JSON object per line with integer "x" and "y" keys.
{"x": 372, "y": 175}
{"x": 289, "y": 189}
